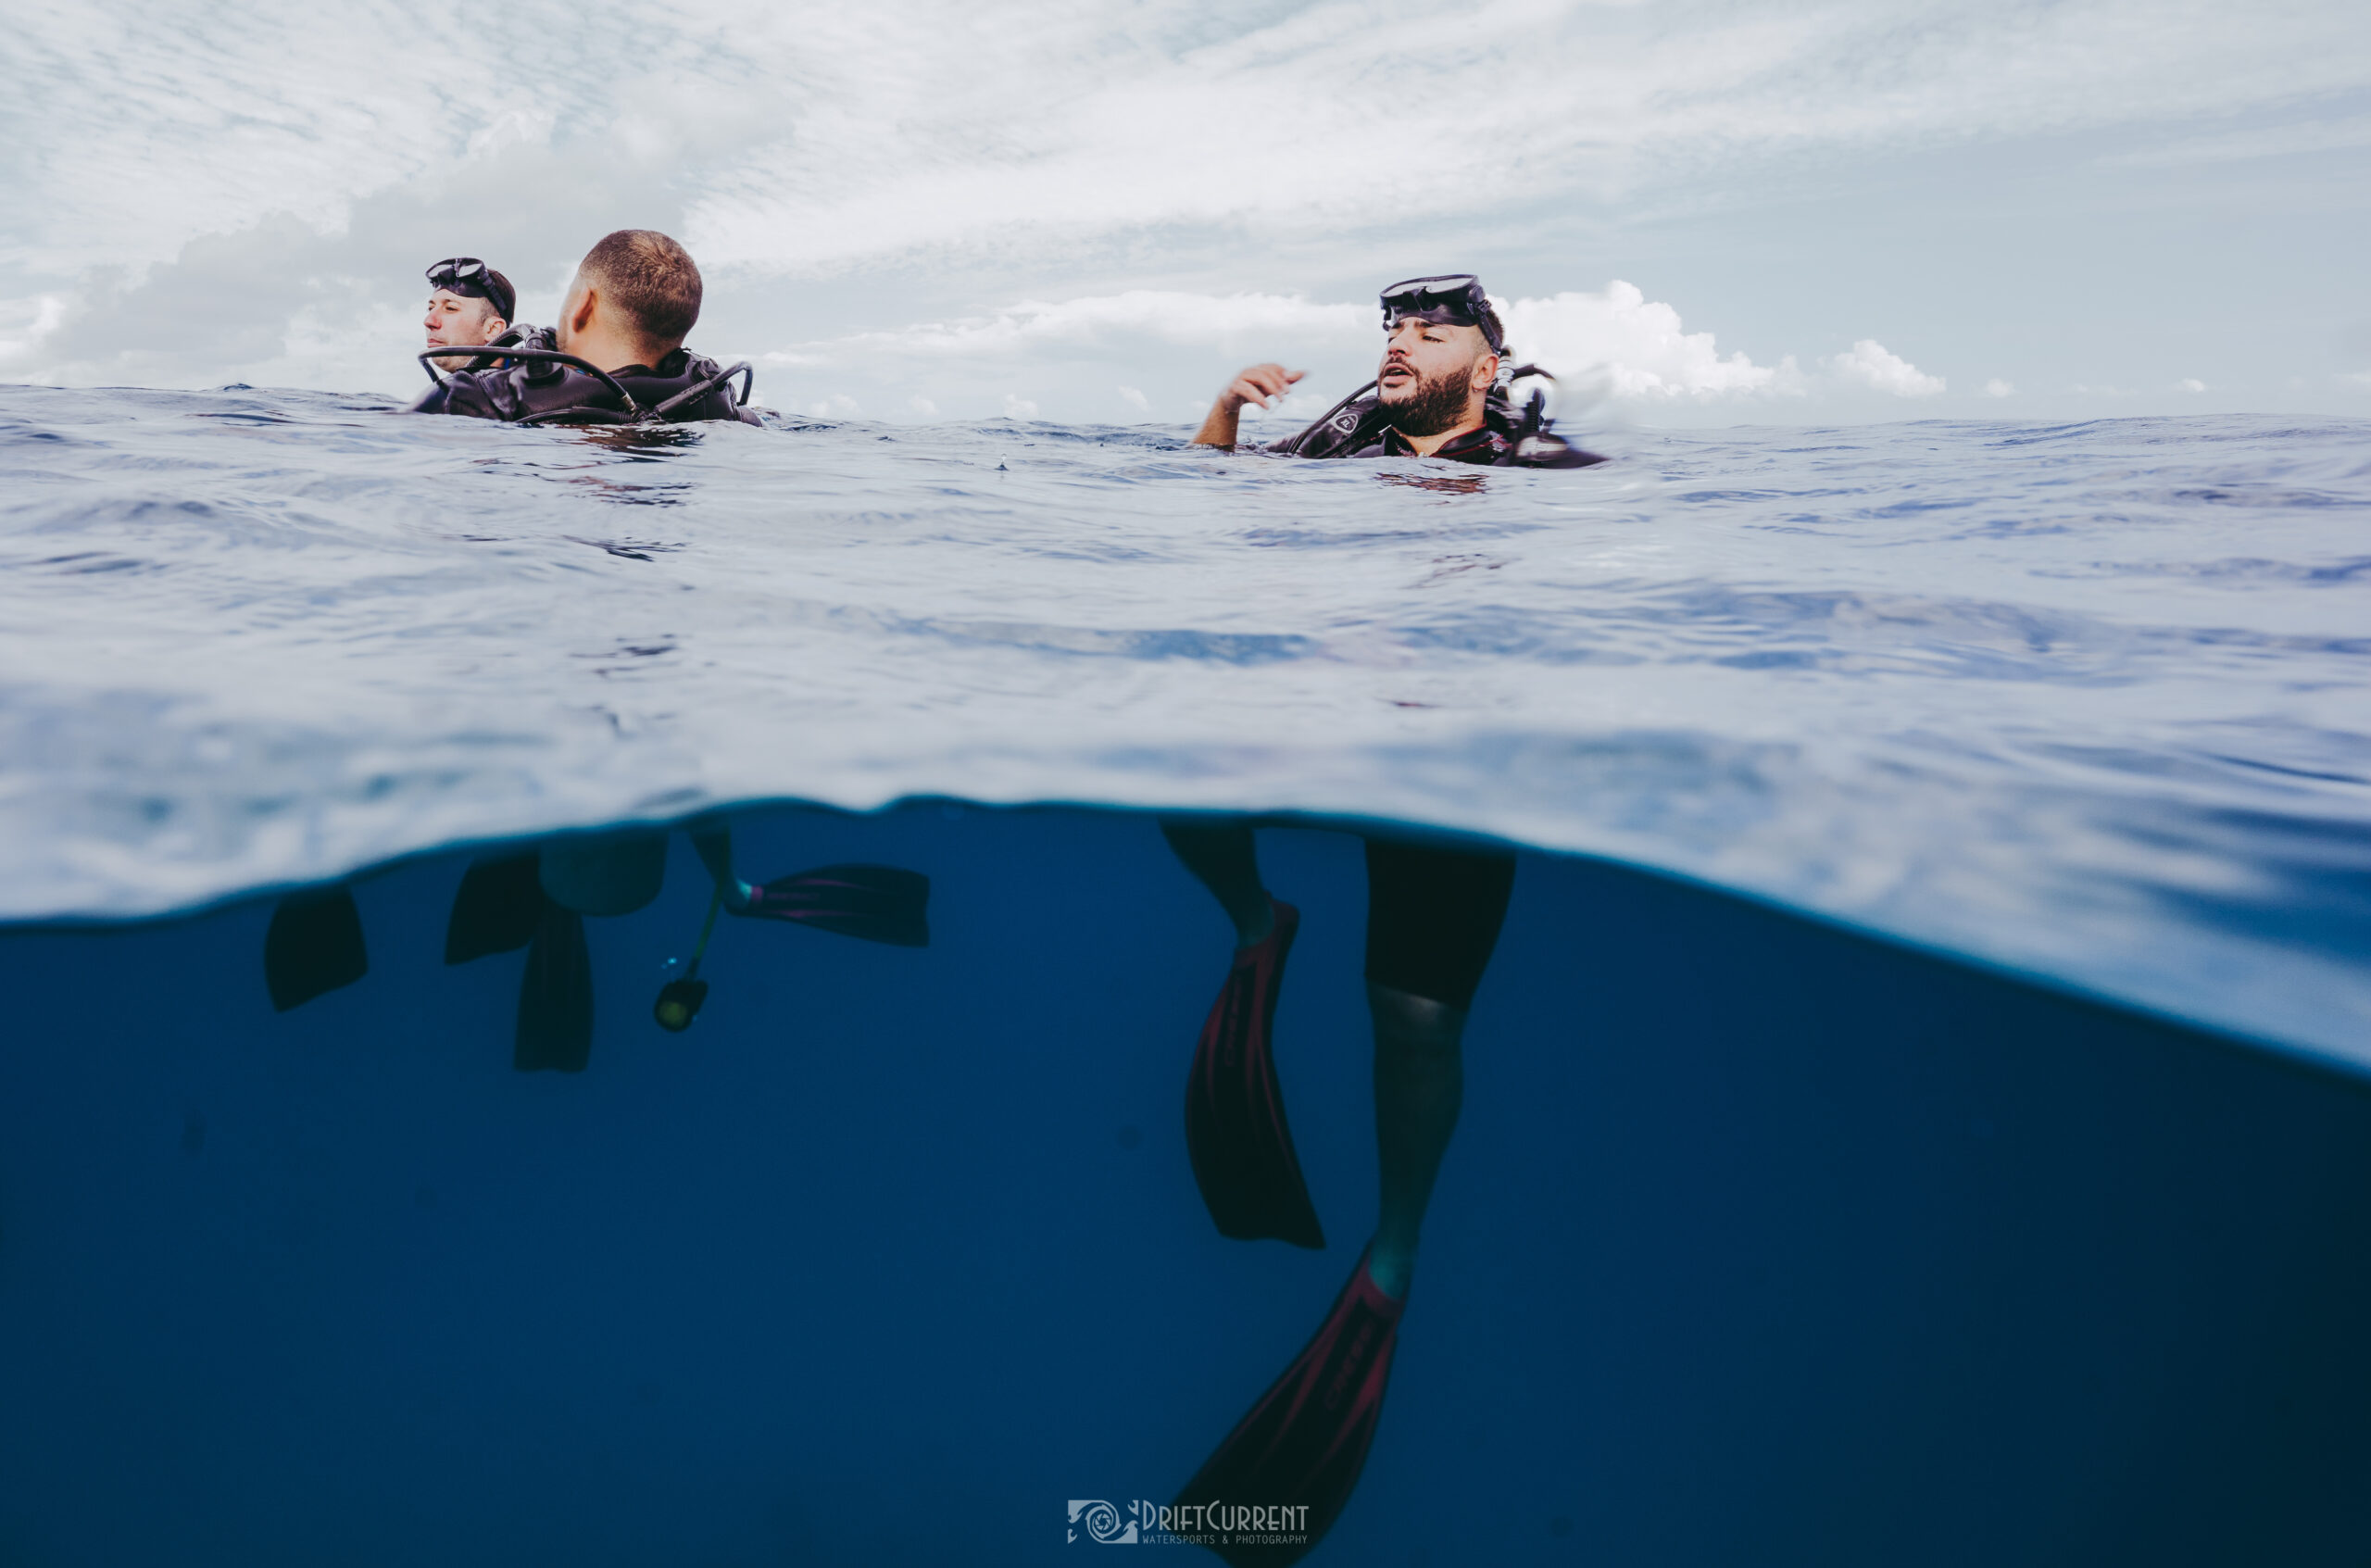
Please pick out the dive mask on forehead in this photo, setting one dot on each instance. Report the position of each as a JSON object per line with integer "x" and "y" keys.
{"x": 1455, "y": 300}
{"x": 472, "y": 279}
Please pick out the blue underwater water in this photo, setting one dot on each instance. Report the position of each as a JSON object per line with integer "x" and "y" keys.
{"x": 1917, "y": 1112}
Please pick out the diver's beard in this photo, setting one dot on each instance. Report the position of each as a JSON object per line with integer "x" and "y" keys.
{"x": 1435, "y": 405}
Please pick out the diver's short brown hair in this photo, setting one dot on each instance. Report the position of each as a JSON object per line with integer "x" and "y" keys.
{"x": 651, "y": 279}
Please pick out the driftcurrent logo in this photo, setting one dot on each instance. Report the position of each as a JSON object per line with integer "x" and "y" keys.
{"x": 1102, "y": 1523}
{"x": 1142, "y": 1522}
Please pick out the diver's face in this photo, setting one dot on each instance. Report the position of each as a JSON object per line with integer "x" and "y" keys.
{"x": 1428, "y": 356}
{"x": 456, "y": 319}
{"x": 1430, "y": 374}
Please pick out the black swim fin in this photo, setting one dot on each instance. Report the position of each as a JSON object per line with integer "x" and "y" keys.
{"x": 1236, "y": 1130}
{"x": 314, "y": 946}
{"x": 496, "y": 910}
{"x": 877, "y": 903}
{"x": 1303, "y": 1445}
{"x": 555, "y": 997}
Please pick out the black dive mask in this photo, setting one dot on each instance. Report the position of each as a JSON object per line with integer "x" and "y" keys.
{"x": 1455, "y": 300}
{"x": 472, "y": 279}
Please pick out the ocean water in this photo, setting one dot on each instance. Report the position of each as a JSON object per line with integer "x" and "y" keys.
{"x": 1917, "y": 1111}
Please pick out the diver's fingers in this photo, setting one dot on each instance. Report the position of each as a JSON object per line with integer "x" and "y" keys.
{"x": 1269, "y": 380}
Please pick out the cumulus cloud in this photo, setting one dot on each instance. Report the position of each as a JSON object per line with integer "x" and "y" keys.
{"x": 2189, "y": 384}
{"x": 1636, "y": 347}
{"x": 1871, "y": 365}
{"x": 1996, "y": 387}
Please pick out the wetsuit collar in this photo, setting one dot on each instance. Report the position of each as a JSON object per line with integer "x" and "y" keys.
{"x": 1465, "y": 448}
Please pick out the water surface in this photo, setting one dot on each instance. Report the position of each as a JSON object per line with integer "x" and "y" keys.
{"x": 2082, "y": 700}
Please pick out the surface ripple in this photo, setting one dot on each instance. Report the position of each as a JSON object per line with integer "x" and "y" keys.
{"x": 2084, "y": 700}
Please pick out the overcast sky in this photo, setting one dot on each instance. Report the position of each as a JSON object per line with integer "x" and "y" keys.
{"x": 1699, "y": 212}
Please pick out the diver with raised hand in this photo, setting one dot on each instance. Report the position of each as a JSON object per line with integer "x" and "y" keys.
{"x": 1444, "y": 390}
{"x": 469, "y": 306}
{"x": 1434, "y": 914}
{"x": 616, "y": 357}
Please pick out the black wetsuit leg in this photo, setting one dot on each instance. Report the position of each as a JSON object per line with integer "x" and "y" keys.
{"x": 1433, "y": 917}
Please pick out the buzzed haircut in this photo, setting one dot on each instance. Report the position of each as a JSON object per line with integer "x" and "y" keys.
{"x": 651, "y": 279}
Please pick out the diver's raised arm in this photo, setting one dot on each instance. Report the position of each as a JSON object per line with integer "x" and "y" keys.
{"x": 1257, "y": 384}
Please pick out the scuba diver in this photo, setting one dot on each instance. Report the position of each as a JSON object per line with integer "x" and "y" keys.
{"x": 616, "y": 356}
{"x": 537, "y": 897}
{"x": 1434, "y": 914}
{"x": 1444, "y": 390}
{"x": 469, "y": 306}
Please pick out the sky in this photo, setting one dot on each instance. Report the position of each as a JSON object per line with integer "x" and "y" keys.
{"x": 1694, "y": 212}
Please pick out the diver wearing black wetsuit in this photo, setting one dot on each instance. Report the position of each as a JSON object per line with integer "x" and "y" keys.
{"x": 616, "y": 356}
{"x": 553, "y": 392}
{"x": 1434, "y": 914}
{"x": 1444, "y": 391}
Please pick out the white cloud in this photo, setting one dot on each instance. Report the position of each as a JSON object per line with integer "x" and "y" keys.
{"x": 27, "y": 323}
{"x": 1635, "y": 347}
{"x": 2189, "y": 384}
{"x": 1135, "y": 399}
{"x": 808, "y": 139}
{"x": 922, "y": 405}
{"x": 839, "y": 406}
{"x": 1018, "y": 408}
{"x": 1870, "y": 364}
{"x": 823, "y": 162}
{"x": 1996, "y": 387}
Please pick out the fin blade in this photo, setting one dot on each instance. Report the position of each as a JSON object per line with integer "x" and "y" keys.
{"x": 314, "y": 946}
{"x": 885, "y": 904}
{"x": 554, "y": 1032}
{"x": 496, "y": 910}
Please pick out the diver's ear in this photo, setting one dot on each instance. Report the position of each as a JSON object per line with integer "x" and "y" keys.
{"x": 494, "y": 327}
{"x": 1486, "y": 374}
{"x": 582, "y": 317}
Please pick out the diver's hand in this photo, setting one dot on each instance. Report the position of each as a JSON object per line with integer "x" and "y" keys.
{"x": 1258, "y": 385}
